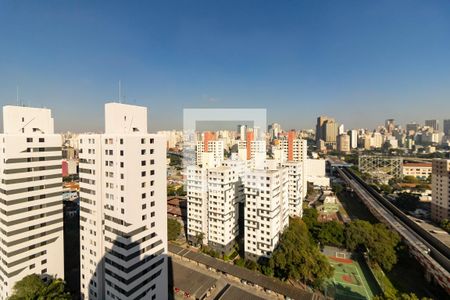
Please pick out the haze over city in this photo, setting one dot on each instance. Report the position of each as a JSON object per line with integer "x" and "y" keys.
{"x": 223, "y": 150}
{"x": 361, "y": 61}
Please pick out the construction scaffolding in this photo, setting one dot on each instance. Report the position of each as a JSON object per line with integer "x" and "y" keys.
{"x": 381, "y": 168}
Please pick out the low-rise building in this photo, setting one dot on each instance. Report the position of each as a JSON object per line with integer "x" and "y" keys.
{"x": 418, "y": 170}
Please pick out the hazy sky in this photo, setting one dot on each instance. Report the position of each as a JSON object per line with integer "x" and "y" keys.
{"x": 359, "y": 61}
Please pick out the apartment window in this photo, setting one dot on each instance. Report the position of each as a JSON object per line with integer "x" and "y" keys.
{"x": 143, "y": 163}
{"x": 143, "y": 151}
{"x": 144, "y": 195}
{"x": 152, "y": 150}
{"x": 143, "y": 184}
{"x": 121, "y": 199}
{"x": 152, "y": 172}
{"x": 144, "y": 206}
{"x": 121, "y": 141}
{"x": 142, "y": 141}
{"x": 122, "y": 210}
{"x": 121, "y": 152}
{"x": 152, "y": 161}
{"x": 41, "y": 140}
{"x": 152, "y": 224}
{"x": 121, "y": 176}
{"x": 152, "y": 183}
{"x": 152, "y": 203}
{"x": 144, "y": 217}
{"x": 121, "y": 164}
{"x": 29, "y": 140}
{"x": 152, "y": 141}
{"x": 143, "y": 173}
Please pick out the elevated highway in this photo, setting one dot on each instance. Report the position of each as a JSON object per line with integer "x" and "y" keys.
{"x": 432, "y": 254}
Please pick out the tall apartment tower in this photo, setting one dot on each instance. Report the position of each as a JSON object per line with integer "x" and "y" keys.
{"x": 433, "y": 124}
{"x": 209, "y": 153}
{"x": 296, "y": 185}
{"x": 213, "y": 199}
{"x": 123, "y": 209}
{"x": 440, "y": 180}
{"x": 446, "y": 127}
{"x": 295, "y": 150}
{"x": 197, "y": 205}
{"x": 31, "y": 238}
{"x": 343, "y": 143}
{"x": 266, "y": 212}
{"x": 224, "y": 196}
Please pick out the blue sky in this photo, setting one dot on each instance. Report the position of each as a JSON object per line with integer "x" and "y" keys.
{"x": 359, "y": 61}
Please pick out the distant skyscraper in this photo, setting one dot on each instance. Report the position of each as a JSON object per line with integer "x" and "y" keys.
{"x": 341, "y": 129}
{"x": 390, "y": 125}
{"x": 353, "y": 138}
{"x": 447, "y": 127}
{"x": 320, "y": 127}
{"x": 412, "y": 128}
{"x": 242, "y": 131}
{"x": 433, "y": 124}
{"x": 274, "y": 130}
{"x": 31, "y": 215}
{"x": 123, "y": 223}
{"x": 330, "y": 132}
{"x": 343, "y": 143}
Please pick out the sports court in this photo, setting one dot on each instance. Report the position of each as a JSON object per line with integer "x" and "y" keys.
{"x": 349, "y": 280}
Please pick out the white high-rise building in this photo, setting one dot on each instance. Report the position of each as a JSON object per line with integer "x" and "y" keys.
{"x": 209, "y": 153}
{"x": 293, "y": 149}
{"x": 252, "y": 151}
{"x": 197, "y": 204}
{"x": 31, "y": 227}
{"x": 242, "y": 131}
{"x": 224, "y": 196}
{"x": 353, "y": 138}
{"x": 123, "y": 225}
{"x": 266, "y": 212}
{"x": 213, "y": 199}
{"x": 295, "y": 187}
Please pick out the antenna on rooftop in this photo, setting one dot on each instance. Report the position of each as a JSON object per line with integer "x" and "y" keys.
{"x": 17, "y": 95}
{"x": 120, "y": 91}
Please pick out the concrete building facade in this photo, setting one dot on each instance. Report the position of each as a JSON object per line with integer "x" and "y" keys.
{"x": 123, "y": 224}
{"x": 440, "y": 181}
{"x": 31, "y": 201}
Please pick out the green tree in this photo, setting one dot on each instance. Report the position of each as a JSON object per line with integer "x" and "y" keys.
{"x": 297, "y": 257}
{"x": 445, "y": 224}
{"x": 310, "y": 217}
{"x": 382, "y": 248}
{"x": 173, "y": 229}
{"x": 331, "y": 233}
{"x": 377, "y": 239}
{"x": 171, "y": 190}
{"x": 180, "y": 191}
{"x": 32, "y": 287}
{"x": 410, "y": 179}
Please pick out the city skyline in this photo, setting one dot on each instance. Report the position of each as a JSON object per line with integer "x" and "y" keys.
{"x": 352, "y": 62}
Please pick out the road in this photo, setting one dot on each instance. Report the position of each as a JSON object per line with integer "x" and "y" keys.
{"x": 431, "y": 253}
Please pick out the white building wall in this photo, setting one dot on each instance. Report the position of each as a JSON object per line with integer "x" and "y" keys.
{"x": 197, "y": 203}
{"x": 131, "y": 189}
{"x": 266, "y": 211}
{"x": 31, "y": 208}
